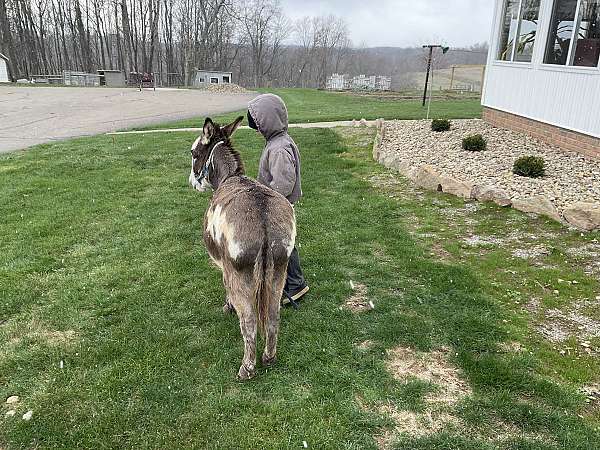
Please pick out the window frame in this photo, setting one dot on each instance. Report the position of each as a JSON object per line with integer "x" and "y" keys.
{"x": 515, "y": 47}
{"x": 569, "y": 66}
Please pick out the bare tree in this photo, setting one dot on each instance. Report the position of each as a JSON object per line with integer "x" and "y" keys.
{"x": 264, "y": 27}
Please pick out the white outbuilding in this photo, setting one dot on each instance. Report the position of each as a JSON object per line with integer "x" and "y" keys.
{"x": 543, "y": 71}
{"x": 4, "y": 78}
{"x": 203, "y": 77}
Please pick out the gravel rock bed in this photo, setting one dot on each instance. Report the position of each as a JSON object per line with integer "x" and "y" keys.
{"x": 570, "y": 178}
{"x": 224, "y": 88}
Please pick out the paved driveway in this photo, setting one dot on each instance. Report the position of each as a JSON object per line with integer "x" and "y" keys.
{"x": 34, "y": 115}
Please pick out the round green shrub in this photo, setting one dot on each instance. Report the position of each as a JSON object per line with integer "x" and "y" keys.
{"x": 440, "y": 125}
{"x": 529, "y": 166}
{"x": 474, "y": 143}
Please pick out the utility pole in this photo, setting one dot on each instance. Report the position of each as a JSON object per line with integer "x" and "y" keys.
{"x": 429, "y": 60}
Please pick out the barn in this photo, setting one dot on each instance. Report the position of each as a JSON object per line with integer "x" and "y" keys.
{"x": 543, "y": 71}
{"x": 4, "y": 76}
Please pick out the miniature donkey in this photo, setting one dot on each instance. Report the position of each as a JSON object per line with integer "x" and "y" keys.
{"x": 249, "y": 232}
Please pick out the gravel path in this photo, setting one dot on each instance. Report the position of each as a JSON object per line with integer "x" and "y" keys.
{"x": 569, "y": 177}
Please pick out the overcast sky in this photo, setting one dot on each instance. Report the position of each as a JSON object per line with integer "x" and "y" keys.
{"x": 403, "y": 23}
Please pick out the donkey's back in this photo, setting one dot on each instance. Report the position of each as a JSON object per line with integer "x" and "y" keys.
{"x": 246, "y": 219}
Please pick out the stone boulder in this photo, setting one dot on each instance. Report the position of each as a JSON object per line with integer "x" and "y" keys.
{"x": 427, "y": 177}
{"x": 537, "y": 204}
{"x": 583, "y": 216}
{"x": 488, "y": 193}
{"x": 406, "y": 169}
{"x": 456, "y": 187}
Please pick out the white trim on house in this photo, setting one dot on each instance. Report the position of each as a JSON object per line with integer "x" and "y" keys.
{"x": 565, "y": 96}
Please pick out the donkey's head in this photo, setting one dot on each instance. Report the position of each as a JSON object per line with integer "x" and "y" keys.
{"x": 203, "y": 152}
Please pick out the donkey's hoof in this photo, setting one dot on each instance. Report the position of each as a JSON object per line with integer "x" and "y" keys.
{"x": 245, "y": 374}
{"x": 268, "y": 361}
{"x": 228, "y": 308}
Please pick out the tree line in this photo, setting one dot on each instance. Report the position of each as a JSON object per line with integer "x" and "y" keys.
{"x": 171, "y": 38}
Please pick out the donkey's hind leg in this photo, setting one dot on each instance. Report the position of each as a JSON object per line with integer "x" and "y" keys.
{"x": 228, "y": 305}
{"x": 269, "y": 355}
{"x": 244, "y": 307}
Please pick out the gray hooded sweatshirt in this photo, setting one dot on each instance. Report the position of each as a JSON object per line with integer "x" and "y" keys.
{"x": 279, "y": 166}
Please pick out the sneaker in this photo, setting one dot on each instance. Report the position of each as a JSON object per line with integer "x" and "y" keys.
{"x": 287, "y": 299}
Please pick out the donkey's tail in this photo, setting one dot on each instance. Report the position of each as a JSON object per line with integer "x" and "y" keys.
{"x": 264, "y": 270}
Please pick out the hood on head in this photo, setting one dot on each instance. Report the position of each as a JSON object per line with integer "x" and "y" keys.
{"x": 269, "y": 114}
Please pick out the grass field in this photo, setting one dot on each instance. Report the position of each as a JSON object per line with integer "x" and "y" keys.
{"x": 111, "y": 329}
{"x": 311, "y": 105}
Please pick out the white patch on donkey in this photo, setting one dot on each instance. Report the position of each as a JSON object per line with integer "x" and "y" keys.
{"x": 220, "y": 228}
{"x": 289, "y": 245}
{"x": 234, "y": 248}
{"x": 216, "y": 223}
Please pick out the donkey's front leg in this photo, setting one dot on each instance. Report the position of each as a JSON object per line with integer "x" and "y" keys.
{"x": 247, "y": 317}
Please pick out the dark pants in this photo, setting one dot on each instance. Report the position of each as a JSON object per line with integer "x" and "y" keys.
{"x": 295, "y": 279}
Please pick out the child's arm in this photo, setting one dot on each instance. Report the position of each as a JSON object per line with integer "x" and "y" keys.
{"x": 283, "y": 171}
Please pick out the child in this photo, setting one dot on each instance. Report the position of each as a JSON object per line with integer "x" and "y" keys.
{"x": 279, "y": 169}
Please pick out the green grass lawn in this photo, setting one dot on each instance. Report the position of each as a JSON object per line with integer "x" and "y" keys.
{"x": 102, "y": 267}
{"x": 311, "y": 105}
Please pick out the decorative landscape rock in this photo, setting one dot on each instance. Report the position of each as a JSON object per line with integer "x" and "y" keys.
{"x": 12, "y": 400}
{"x": 456, "y": 187}
{"x": 537, "y": 204}
{"x": 408, "y": 145}
{"x": 427, "y": 177}
{"x": 585, "y": 216}
{"x": 487, "y": 193}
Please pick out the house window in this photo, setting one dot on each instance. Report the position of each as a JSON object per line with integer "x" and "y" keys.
{"x": 519, "y": 30}
{"x": 201, "y": 80}
{"x": 574, "y": 38}
{"x": 226, "y": 79}
{"x": 214, "y": 80}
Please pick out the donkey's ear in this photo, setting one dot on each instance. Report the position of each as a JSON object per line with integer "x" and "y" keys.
{"x": 209, "y": 129}
{"x": 230, "y": 129}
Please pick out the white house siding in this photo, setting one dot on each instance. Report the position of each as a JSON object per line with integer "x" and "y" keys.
{"x": 3, "y": 71}
{"x": 567, "y": 97}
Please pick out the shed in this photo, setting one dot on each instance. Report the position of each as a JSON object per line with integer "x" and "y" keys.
{"x": 4, "y": 78}
{"x": 71, "y": 78}
{"x": 543, "y": 71}
{"x": 112, "y": 78}
{"x": 203, "y": 77}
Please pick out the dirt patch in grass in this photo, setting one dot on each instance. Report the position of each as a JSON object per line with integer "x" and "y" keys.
{"x": 440, "y": 252}
{"x": 511, "y": 347}
{"x": 558, "y": 325}
{"x": 35, "y": 331}
{"x": 533, "y": 252}
{"x": 415, "y": 425}
{"x": 433, "y": 367}
{"x": 358, "y": 301}
{"x": 482, "y": 241}
{"x": 364, "y": 345}
{"x": 592, "y": 392}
